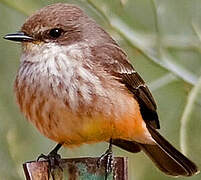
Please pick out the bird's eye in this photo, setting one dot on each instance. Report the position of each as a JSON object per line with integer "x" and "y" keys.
{"x": 55, "y": 33}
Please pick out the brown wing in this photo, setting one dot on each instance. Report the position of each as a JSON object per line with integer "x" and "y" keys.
{"x": 114, "y": 60}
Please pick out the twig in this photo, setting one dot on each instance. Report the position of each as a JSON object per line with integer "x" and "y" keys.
{"x": 186, "y": 115}
{"x": 190, "y": 104}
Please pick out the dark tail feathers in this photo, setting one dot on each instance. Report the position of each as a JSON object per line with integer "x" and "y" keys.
{"x": 163, "y": 154}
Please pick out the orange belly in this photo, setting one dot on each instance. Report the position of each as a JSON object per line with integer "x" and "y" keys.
{"x": 119, "y": 119}
{"x": 115, "y": 114}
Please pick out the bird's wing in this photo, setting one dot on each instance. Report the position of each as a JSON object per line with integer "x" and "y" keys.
{"x": 115, "y": 62}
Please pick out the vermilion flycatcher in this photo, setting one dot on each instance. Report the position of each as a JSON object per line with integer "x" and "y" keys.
{"x": 76, "y": 85}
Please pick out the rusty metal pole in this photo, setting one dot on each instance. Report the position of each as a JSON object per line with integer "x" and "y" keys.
{"x": 76, "y": 169}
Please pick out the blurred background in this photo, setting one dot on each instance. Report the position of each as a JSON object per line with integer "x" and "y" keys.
{"x": 163, "y": 41}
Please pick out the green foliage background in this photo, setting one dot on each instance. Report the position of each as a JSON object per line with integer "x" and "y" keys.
{"x": 162, "y": 39}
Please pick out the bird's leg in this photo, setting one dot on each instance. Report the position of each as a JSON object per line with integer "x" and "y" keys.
{"x": 53, "y": 155}
{"x": 53, "y": 158}
{"x": 107, "y": 158}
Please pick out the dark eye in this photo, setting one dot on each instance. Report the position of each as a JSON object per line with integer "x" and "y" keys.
{"x": 55, "y": 33}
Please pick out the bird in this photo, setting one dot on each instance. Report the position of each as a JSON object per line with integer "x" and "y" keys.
{"x": 77, "y": 86}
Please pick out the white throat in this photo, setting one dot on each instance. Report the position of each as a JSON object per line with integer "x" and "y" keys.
{"x": 60, "y": 69}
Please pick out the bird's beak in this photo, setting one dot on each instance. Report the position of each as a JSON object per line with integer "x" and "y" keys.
{"x": 19, "y": 37}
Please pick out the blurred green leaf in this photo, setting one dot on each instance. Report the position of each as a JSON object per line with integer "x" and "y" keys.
{"x": 162, "y": 81}
{"x": 25, "y": 7}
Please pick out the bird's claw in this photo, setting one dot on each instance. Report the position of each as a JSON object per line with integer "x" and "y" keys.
{"x": 53, "y": 162}
{"x": 108, "y": 160}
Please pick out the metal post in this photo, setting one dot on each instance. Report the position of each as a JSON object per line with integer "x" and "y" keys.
{"x": 76, "y": 169}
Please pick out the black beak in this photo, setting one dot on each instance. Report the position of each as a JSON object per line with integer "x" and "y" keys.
{"x": 19, "y": 36}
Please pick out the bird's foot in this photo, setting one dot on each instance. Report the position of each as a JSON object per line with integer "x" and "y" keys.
{"x": 108, "y": 160}
{"x": 53, "y": 159}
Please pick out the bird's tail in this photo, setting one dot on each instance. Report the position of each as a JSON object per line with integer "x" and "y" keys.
{"x": 164, "y": 155}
